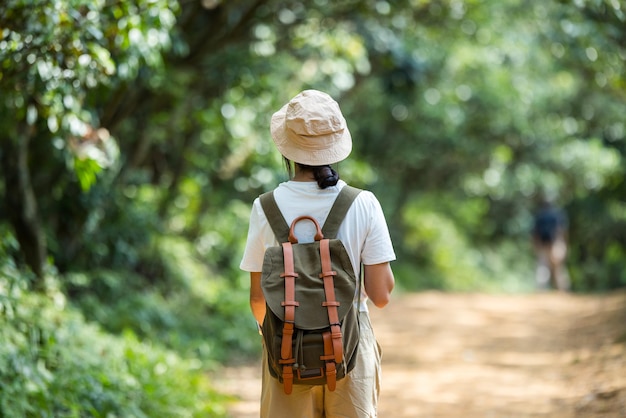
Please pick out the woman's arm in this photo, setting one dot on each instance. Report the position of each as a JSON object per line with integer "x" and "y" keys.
{"x": 379, "y": 283}
{"x": 257, "y": 300}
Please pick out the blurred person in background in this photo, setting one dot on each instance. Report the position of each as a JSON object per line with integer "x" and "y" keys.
{"x": 550, "y": 244}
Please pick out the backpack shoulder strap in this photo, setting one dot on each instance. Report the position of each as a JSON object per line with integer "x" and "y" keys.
{"x": 333, "y": 221}
{"x": 274, "y": 216}
{"x": 338, "y": 210}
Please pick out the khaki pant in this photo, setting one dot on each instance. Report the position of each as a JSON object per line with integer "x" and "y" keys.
{"x": 356, "y": 395}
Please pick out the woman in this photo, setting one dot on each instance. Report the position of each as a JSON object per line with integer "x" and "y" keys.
{"x": 311, "y": 134}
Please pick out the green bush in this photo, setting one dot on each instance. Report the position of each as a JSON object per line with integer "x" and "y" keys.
{"x": 54, "y": 364}
{"x": 184, "y": 305}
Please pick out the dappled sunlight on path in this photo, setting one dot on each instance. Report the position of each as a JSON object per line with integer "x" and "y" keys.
{"x": 244, "y": 383}
{"x": 551, "y": 355}
{"x": 473, "y": 355}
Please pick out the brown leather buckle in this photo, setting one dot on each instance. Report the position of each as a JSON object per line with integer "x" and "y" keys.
{"x": 308, "y": 374}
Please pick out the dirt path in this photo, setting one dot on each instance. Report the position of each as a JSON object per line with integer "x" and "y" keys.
{"x": 480, "y": 356}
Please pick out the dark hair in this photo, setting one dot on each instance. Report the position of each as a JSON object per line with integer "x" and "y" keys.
{"x": 324, "y": 175}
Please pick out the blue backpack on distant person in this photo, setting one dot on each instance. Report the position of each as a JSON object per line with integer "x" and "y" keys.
{"x": 548, "y": 222}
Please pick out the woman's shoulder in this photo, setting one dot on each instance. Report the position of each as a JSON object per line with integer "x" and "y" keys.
{"x": 366, "y": 200}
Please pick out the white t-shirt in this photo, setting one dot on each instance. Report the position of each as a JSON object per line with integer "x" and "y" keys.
{"x": 363, "y": 231}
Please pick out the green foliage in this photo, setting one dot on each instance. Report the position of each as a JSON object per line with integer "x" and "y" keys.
{"x": 141, "y": 134}
{"x": 498, "y": 108}
{"x": 186, "y": 307}
{"x": 54, "y": 364}
{"x": 437, "y": 253}
{"x": 55, "y": 54}
{"x": 601, "y": 246}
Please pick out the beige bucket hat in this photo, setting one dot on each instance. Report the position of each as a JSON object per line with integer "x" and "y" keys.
{"x": 311, "y": 130}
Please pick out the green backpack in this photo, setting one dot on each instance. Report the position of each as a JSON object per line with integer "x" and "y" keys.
{"x": 311, "y": 327}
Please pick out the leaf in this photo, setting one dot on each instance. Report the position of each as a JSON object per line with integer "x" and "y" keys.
{"x": 86, "y": 171}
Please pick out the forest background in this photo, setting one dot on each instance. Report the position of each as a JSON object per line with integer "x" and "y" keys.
{"x": 135, "y": 135}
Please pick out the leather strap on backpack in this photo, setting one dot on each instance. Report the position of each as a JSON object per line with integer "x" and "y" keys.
{"x": 331, "y": 367}
{"x": 286, "y": 352}
{"x": 331, "y": 303}
{"x": 333, "y": 344}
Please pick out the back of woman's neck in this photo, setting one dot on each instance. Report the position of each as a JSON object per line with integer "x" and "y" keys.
{"x": 303, "y": 176}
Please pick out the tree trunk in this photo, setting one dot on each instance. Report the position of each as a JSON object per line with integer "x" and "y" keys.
{"x": 21, "y": 205}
